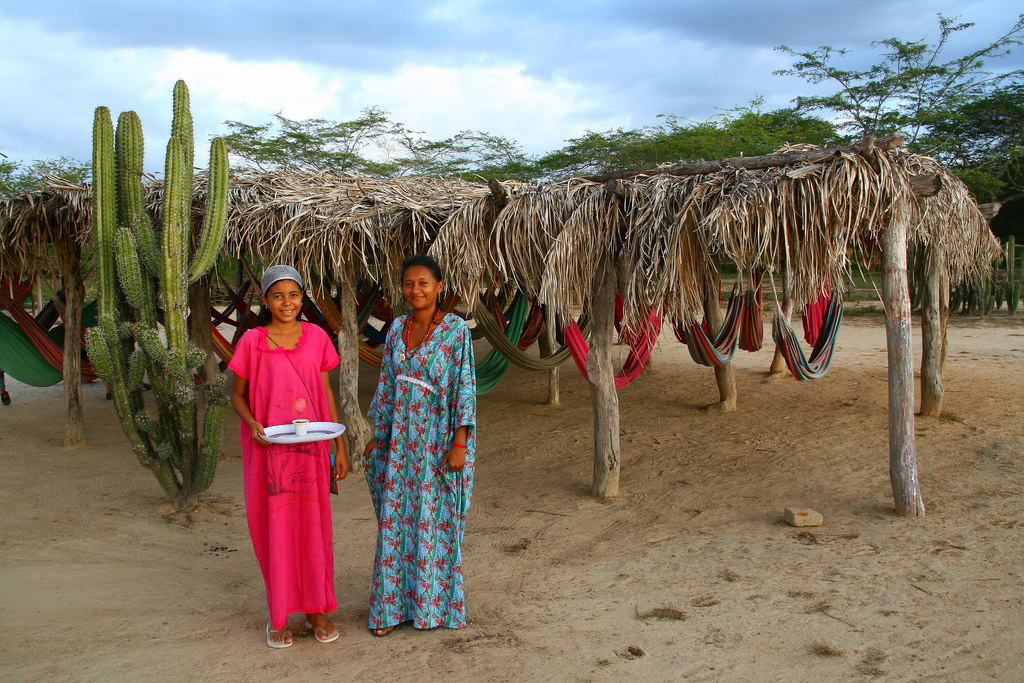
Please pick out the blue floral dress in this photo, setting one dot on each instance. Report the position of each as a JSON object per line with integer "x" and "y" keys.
{"x": 423, "y": 396}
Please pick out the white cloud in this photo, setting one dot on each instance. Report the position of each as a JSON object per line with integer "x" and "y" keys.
{"x": 298, "y": 91}
{"x": 441, "y": 101}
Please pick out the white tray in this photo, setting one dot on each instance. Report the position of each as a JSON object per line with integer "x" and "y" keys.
{"x": 317, "y": 431}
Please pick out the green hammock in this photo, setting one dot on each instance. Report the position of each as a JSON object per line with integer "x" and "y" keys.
{"x": 20, "y": 359}
{"x": 492, "y": 367}
{"x": 491, "y": 330}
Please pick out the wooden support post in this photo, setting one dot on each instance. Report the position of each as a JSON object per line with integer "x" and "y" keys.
{"x": 725, "y": 375}
{"x": 74, "y": 293}
{"x": 200, "y": 333}
{"x": 200, "y": 330}
{"x": 906, "y": 490}
{"x": 547, "y": 347}
{"x": 241, "y": 314}
{"x": 778, "y": 365}
{"x": 601, "y": 377}
{"x": 932, "y": 340}
{"x": 357, "y": 429}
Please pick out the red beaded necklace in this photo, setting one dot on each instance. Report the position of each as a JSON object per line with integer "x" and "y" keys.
{"x": 438, "y": 314}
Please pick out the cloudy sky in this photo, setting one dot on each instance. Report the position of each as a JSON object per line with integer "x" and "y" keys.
{"x": 537, "y": 71}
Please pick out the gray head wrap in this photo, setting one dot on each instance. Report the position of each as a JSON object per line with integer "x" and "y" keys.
{"x": 275, "y": 273}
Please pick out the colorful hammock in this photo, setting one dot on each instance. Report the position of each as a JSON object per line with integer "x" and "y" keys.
{"x": 491, "y": 369}
{"x": 18, "y": 292}
{"x": 815, "y": 367}
{"x": 222, "y": 346}
{"x": 640, "y": 350}
{"x": 20, "y": 358}
{"x": 28, "y": 352}
{"x": 328, "y": 308}
{"x": 718, "y": 351}
{"x": 491, "y": 330}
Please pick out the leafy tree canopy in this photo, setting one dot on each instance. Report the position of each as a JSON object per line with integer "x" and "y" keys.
{"x": 375, "y": 145}
{"x": 968, "y": 117}
{"x": 910, "y": 88}
{"x": 738, "y": 131}
{"x": 17, "y": 178}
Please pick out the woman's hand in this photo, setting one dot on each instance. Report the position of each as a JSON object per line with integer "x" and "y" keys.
{"x": 455, "y": 459}
{"x": 258, "y": 434}
{"x": 369, "y": 447}
{"x": 340, "y": 460}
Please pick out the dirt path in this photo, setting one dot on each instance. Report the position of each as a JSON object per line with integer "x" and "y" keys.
{"x": 691, "y": 566}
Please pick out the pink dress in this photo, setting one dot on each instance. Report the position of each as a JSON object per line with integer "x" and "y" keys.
{"x": 287, "y": 487}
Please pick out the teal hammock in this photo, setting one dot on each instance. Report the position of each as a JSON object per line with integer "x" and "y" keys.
{"x": 492, "y": 367}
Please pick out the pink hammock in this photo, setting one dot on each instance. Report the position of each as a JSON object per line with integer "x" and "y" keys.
{"x": 814, "y": 314}
{"x": 641, "y": 344}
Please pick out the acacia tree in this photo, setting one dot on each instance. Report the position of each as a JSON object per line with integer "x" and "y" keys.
{"x": 375, "y": 145}
{"x": 315, "y": 143}
{"x": 469, "y": 154}
{"x": 910, "y": 89}
{"x": 957, "y": 110}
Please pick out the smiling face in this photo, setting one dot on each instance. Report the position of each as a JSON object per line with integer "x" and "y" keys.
{"x": 284, "y": 300}
{"x": 420, "y": 288}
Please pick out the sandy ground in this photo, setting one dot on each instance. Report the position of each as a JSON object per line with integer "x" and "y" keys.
{"x": 99, "y": 583}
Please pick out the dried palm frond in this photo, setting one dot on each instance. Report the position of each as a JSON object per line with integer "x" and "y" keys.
{"x": 528, "y": 226}
{"x": 572, "y": 262}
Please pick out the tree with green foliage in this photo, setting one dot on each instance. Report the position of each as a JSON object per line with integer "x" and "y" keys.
{"x": 375, "y": 145}
{"x": 910, "y": 88}
{"x": 471, "y": 155}
{"x": 744, "y": 130}
{"x": 968, "y": 117}
{"x": 317, "y": 143}
{"x": 17, "y": 178}
{"x": 983, "y": 142}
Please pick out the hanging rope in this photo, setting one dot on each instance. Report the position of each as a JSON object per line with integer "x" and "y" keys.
{"x": 815, "y": 367}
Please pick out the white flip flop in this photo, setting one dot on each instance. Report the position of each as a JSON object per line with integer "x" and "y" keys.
{"x": 274, "y": 644}
{"x": 328, "y": 639}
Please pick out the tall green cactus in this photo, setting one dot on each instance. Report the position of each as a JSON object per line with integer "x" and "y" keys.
{"x": 140, "y": 268}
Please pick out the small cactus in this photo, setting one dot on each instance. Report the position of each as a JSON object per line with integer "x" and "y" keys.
{"x": 136, "y": 263}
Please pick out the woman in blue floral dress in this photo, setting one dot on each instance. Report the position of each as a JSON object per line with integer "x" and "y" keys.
{"x": 419, "y": 464}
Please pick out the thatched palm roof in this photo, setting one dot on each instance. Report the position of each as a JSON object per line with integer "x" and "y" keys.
{"x": 665, "y": 232}
{"x": 36, "y": 227}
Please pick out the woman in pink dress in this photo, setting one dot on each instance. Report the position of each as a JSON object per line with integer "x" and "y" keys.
{"x": 280, "y": 376}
